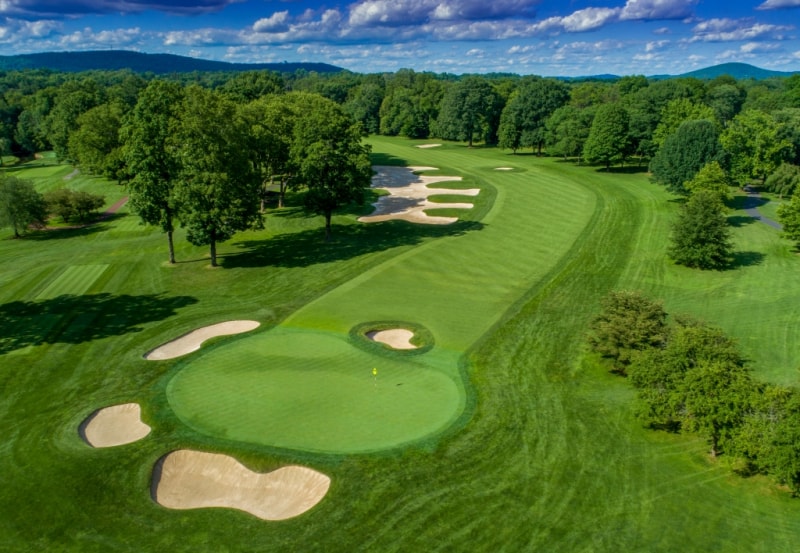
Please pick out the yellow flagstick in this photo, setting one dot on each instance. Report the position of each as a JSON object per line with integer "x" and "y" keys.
{"x": 375, "y": 377}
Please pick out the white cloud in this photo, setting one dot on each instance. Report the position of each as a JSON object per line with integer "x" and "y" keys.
{"x": 278, "y": 22}
{"x": 656, "y": 45}
{"x": 589, "y": 18}
{"x": 779, "y": 4}
{"x": 650, "y": 10}
{"x": 730, "y": 30}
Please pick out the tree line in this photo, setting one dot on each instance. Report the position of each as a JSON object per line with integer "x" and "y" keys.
{"x": 691, "y": 134}
{"x": 691, "y": 378}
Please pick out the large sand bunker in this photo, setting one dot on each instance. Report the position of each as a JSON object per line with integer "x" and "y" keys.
{"x": 408, "y": 196}
{"x": 115, "y": 425}
{"x": 395, "y": 338}
{"x": 187, "y": 479}
{"x": 192, "y": 341}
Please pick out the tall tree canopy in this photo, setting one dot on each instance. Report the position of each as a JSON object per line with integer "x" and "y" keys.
{"x": 756, "y": 146}
{"x": 522, "y": 122}
{"x": 608, "y": 140}
{"x": 470, "y": 110}
{"x": 330, "y": 159}
{"x": 218, "y": 186}
{"x": 151, "y": 156}
{"x": 683, "y": 153}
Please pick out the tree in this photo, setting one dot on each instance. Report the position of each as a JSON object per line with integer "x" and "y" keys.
{"x": 769, "y": 437}
{"x": 470, "y": 109}
{"x": 725, "y": 99}
{"x": 330, "y": 160}
{"x": 628, "y": 323}
{"x": 73, "y": 205}
{"x": 218, "y": 186}
{"x": 71, "y": 100}
{"x": 660, "y": 374}
{"x": 677, "y": 112}
{"x": 711, "y": 178}
{"x": 522, "y": 122}
{"x": 151, "y": 157}
{"x": 756, "y": 146}
{"x": 271, "y": 123}
{"x": 714, "y": 397}
{"x": 95, "y": 144}
{"x": 20, "y": 205}
{"x": 247, "y": 86}
{"x": 567, "y": 130}
{"x": 364, "y": 103}
{"x": 684, "y": 153}
{"x": 700, "y": 236}
{"x": 608, "y": 138}
{"x": 789, "y": 217}
{"x": 784, "y": 180}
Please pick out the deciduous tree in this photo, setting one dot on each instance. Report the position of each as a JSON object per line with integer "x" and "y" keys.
{"x": 608, "y": 139}
{"x": 152, "y": 158}
{"x": 684, "y": 153}
{"x": 20, "y": 204}
{"x": 330, "y": 159}
{"x": 218, "y": 186}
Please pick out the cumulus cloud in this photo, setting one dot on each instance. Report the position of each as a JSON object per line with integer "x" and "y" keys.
{"x": 779, "y": 4}
{"x": 278, "y": 22}
{"x": 728, "y": 30}
{"x": 650, "y": 10}
{"x": 407, "y": 12}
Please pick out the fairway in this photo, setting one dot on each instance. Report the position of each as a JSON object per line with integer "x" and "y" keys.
{"x": 75, "y": 280}
{"x": 501, "y": 434}
{"x": 458, "y": 287}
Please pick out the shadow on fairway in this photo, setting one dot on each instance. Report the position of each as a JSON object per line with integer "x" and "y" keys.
{"x": 740, "y": 220}
{"x": 386, "y": 159}
{"x": 746, "y": 259}
{"x": 72, "y": 319}
{"x": 302, "y": 249}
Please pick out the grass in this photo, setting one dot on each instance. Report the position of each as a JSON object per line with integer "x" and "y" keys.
{"x": 547, "y": 456}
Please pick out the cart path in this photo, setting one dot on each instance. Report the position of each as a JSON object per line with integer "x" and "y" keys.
{"x": 751, "y": 208}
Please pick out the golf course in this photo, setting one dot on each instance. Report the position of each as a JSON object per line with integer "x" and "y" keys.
{"x": 496, "y": 429}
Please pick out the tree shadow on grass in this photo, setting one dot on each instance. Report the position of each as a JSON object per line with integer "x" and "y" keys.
{"x": 740, "y": 220}
{"x": 746, "y": 259}
{"x": 302, "y": 249}
{"x": 70, "y": 319}
{"x": 381, "y": 158}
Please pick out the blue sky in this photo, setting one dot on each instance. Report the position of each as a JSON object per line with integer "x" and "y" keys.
{"x": 542, "y": 37}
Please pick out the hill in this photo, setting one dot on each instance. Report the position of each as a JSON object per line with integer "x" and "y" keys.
{"x": 142, "y": 63}
{"x": 737, "y": 71}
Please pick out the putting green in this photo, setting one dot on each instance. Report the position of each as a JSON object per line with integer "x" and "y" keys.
{"x": 315, "y": 391}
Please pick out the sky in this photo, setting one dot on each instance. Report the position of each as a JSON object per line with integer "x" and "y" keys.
{"x": 541, "y": 37}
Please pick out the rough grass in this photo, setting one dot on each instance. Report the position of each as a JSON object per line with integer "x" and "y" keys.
{"x": 550, "y": 459}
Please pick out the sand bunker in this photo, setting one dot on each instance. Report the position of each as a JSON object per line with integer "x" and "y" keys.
{"x": 428, "y": 145}
{"x": 503, "y": 168}
{"x": 192, "y": 341}
{"x": 115, "y": 425}
{"x": 186, "y": 479}
{"x": 396, "y": 338}
{"x": 408, "y": 196}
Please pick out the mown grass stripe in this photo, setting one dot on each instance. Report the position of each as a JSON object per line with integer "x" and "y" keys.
{"x": 75, "y": 280}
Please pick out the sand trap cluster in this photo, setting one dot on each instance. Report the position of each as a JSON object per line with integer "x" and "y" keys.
{"x": 428, "y": 145}
{"x": 192, "y": 341}
{"x": 115, "y": 425}
{"x": 408, "y": 196}
{"x": 395, "y": 338}
{"x": 187, "y": 479}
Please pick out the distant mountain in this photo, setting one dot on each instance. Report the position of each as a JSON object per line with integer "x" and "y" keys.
{"x": 142, "y": 63}
{"x": 737, "y": 71}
